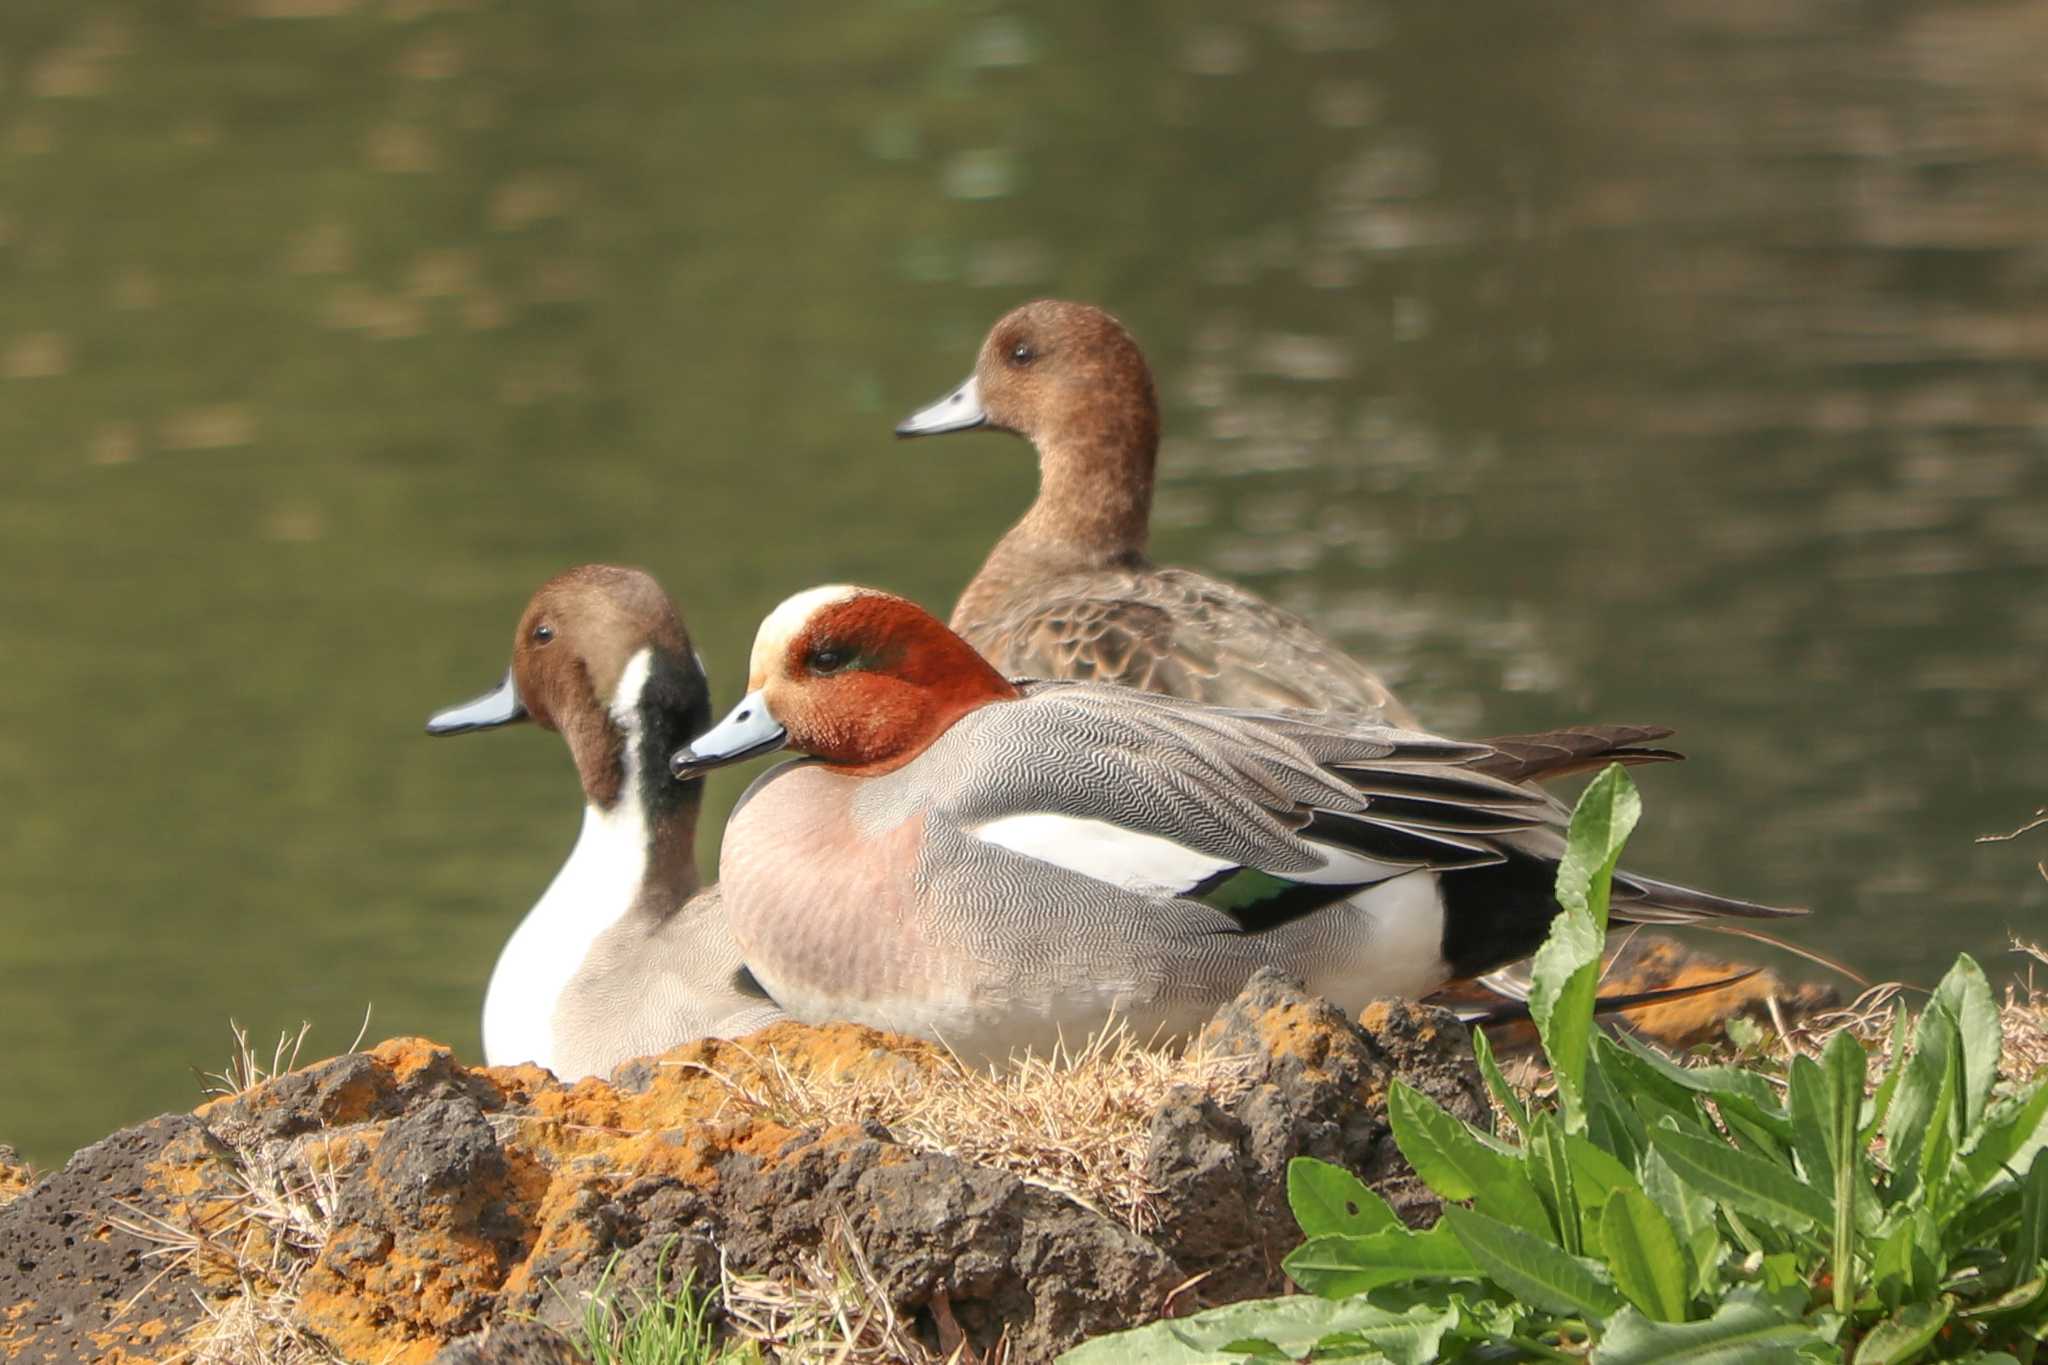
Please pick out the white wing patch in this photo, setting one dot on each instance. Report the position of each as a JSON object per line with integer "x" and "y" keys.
{"x": 1152, "y": 864}
{"x": 1144, "y": 863}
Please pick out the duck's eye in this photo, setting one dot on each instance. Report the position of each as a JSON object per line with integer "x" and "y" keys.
{"x": 543, "y": 633}
{"x": 1022, "y": 354}
{"x": 829, "y": 659}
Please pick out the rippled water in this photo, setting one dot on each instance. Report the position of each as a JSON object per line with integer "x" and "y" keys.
{"x": 1677, "y": 362}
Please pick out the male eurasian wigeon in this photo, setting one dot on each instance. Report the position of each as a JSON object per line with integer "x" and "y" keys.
{"x": 997, "y": 864}
{"x": 1069, "y": 593}
{"x": 623, "y": 955}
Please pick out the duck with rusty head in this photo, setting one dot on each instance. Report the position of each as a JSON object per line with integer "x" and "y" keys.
{"x": 1000, "y": 865}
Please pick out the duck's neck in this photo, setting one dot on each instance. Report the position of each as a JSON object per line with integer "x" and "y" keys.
{"x": 661, "y": 705}
{"x": 1094, "y": 504}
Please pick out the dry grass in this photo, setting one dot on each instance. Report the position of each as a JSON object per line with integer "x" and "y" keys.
{"x": 835, "y": 1312}
{"x": 277, "y": 1216}
{"x": 1074, "y": 1121}
{"x": 266, "y": 1233}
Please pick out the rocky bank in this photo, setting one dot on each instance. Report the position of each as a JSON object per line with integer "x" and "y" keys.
{"x": 392, "y": 1205}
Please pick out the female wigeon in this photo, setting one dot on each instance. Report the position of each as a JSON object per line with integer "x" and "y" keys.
{"x": 1069, "y": 593}
{"x": 996, "y": 864}
{"x": 623, "y": 955}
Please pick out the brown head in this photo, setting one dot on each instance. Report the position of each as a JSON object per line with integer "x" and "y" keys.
{"x": 862, "y": 679}
{"x": 1070, "y": 379}
{"x": 600, "y": 656}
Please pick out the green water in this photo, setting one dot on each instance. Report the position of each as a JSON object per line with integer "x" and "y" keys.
{"x": 1667, "y": 362}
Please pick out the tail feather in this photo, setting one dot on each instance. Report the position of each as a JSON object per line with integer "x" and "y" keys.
{"x": 1514, "y": 1008}
{"x": 1551, "y": 754}
{"x": 1645, "y": 900}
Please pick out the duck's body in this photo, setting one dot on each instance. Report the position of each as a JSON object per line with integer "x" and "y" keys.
{"x": 624, "y": 954}
{"x": 997, "y": 865}
{"x": 1069, "y": 592}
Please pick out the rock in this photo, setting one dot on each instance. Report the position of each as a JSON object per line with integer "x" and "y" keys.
{"x": 447, "y": 1213}
{"x": 1319, "y": 1086}
{"x": 513, "y": 1343}
{"x": 74, "y": 1285}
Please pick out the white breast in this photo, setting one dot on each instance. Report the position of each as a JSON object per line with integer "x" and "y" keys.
{"x": 594, "y": 888}
{"x": 590, "y": 893}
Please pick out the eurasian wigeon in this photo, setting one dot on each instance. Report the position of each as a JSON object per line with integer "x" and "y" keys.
{"x": 624, "y": 954}
{"x": 998, "y": 864}
{"x": 1069, "y": 592}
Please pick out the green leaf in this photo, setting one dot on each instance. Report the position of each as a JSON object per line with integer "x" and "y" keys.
{"x": 1328, "y": 1200}
{"x": 1595, "y": 1174}
{"x": 1612, "y": 1123}
{"x": 1925, "y": 1080}
{"x": 1968, "y": 997}
{"x": 1290, "y": 1327}
{"x": 1565, "y": 973}
{"x": 2031, "y": 1243}
{"x": 1903, "y": 1335}
{"x": 1531, "y": 1267}
{"x": 2013, "y": 1130}
{"x": 1747, "y": 1329}
{"x": 1826, "y": 1104}
{"x": 1643, "y": 1253}
{"x": 1413, "y": 1337}
{"x": 1750, "y": 1183}
{"x": 1730, "y": 1088}
{"x": 1880, "y": 1100}
{"x": 1336, "y": 1267}
{"x": 1691, "y": 1215}
{"x": 1453, "y": 1160}
{"x": 1504, "y": 1097}
{"x": 1550, "y": 1171}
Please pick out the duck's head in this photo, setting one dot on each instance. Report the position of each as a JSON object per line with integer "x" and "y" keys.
{"x": 862, "y": 679}
{"x": 600, "y": 656}
{"x": 1053, "y": 372}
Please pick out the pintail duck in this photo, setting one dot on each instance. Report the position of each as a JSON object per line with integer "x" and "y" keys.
{"x": 1069, "y": 593}
{"x": 623, "y": 955}
{"x": 997, "y": 864}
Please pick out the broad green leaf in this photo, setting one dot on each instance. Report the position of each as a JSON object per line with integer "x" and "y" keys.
{"x": 1750, "y": 1183}
{"x": 1730, "y": 1088}
{"x": 1328, "y": 1200}
{"x": 1827, "y": 1102}
{"x": 1454, "y": 1161}
{"x": 1968, "y": 997}
{"x": 1747, "y": 1329}
{"x": 1565, "y": 973}
{"x": 1880, "y": 1100}
{"x": 2018, "y": 1300}
{"x": 1644, "y": 1256}
{"x": 1612, "y": 1123}
{"x": 1926, "y": 1078}
{"x": 1602, "y": 820}
{"x": 2013, "y": 1130}
{"x": 1691, "y": 1215}
{"x": 1550, "y": 1171}
{"x": 1903, "y": 1335}
{"x": 2031, "y": 1244}
{"x": 1532, "y": 1267}
{"x": 1595, "y": 1174}
{"x": 1938, "y": 1147}
{"x": 1291, "y": 1326}
{"x": 1505, "y": 1100}
{"x": 1338, "y": 1267}
{"x": 1414, "y": 1337}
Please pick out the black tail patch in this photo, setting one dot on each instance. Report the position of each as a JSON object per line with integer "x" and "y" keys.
{"x": 1497, "y": 913}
